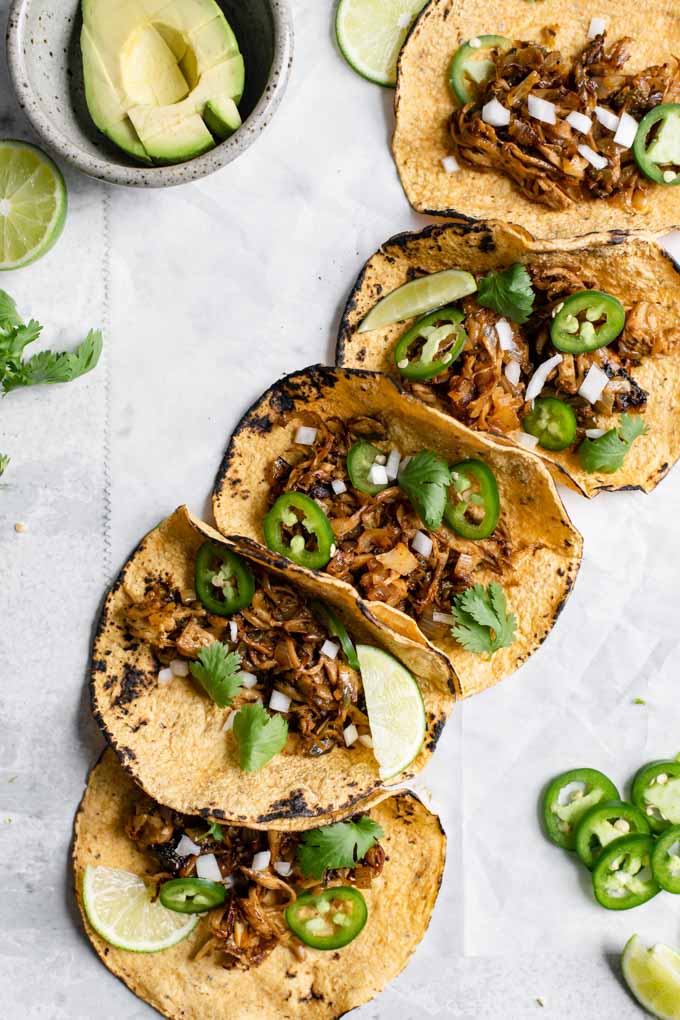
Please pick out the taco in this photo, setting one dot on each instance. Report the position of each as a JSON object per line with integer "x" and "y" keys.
{"x": 362, "y": 891}
{"x": 230, "y": 683}
{"x": 571, "y": 348}
{"x": 542, "y": 114}
{"x": 453, "y": 539}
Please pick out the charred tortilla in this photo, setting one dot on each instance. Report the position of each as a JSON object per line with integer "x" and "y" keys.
{"x": 323, "y": 985}
{"x": 634, "y": 268}
{"x": 545, "y": 549}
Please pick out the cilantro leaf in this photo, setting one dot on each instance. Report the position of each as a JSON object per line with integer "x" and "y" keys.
{"x": 218, "y": 672}
{"x": 425, "y": 480}
{"x": 608, "y": 453}
{"x": 9, "y": 317}
{"x": 4, "y": 463}
{"x": 259, "y": 736}
{"x": 215, "y": 832}
{"x": 483, "y": 624}
{"x": 340, "y": 845}
{"x": 50, "y": 368}
{"x": 509, "y": 292}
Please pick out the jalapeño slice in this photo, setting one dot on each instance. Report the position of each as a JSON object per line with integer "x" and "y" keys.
{"x": 587, "y": 320}
{"x": 666, "y": 860}
{"x": 224, "y": 582}
{"x": 622, "y": 876}
{"x": 431, "y": 345}
{"x": 553, "y": 422}
{"x": 472, "y": 504}
{"x": 192, "y": 895}
{"x": 567, "y": 799}
{"x": 656, "y": 791}
{"x": 471, "y": 65}
{"x": 657, "y": 144}
{"x": 330, "y": 920}
{"x": 360, "y": 460}
{"x": 312, "y": 542}
{"x": 604, "y": 823}
{"x": 336, "y": 628}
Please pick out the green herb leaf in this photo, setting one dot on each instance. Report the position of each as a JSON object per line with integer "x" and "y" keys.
{"x": 259, "y": 736}
{"x": 483, "y": 623}
{"x": 217, "y": 670}
{"x": 608, "y": 453}
{"x": 215, "y": 832}
{"x": 4, "y": 463}
{"x": 340, "y": 845}
{"x": 639, "y": 701}
{"x": 425, "y": 480}
{"x": 508, "y": 292}
{"x": 9, "y": 317}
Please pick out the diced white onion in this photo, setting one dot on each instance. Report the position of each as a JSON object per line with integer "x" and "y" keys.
{"x": 338, "y": 486}
{"x": 475, "y": 43}
{"x": 541, "y": 109}
{"x": 207, "y": 867}
{"x": 229, "y": 722}
{"x": 279, "y": 702}
{"x": 594, "y": 383}
{"x": 233, "y": 630}
{"x": 405, "y": 461}
{"x": 403, "y": 21}
{"x": 334, "y": 549}
{"x": 579, "y": 122}
{"x": 422, "y": 543}
{"x": 513, "y": 371}
{"x": 186, "y": 847}
{"x": 403, "y": 363}
{"x": 504, "y": 333}
{"x": 283, "y": 868}
{"x": 626, "y": 131}
{"x": 381, "y": 458}
{"x": 451, "y": 165}
{"x": 594, "y": 433}
{"x": 607, "y": 119}
{"x": 179, "y": 667}
{"x": 447, "y": 618}
{"x": 597, "y": 27}
{"x": 669, "y": 176}
{"x": 261, "y": 861}
{"x": 351, "y": 734}
{"x": 165, "y": 675}
{"x": 540, "y": 376}
{"x": 524, "y": 439}
{"x": 366, "y": 739}
{"x": 330, "y": 649}
{"x": 392, "y": 466}
{"x": 247, "y": 679}
{"x": 377, "y": 475}
{"x": 305, "y": 436}
{"x": 592, "y": 157}
{"x": 495, "y": 114}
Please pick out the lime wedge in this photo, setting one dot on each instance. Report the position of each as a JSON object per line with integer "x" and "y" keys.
{"x": 395, "y": 710}
{"x": 371, "y": 33}
{"x": 418, "y": 297}
{"x": 653, "y": 976}
{"x": 120, "y": 908}
{"x": 32, "y": 204}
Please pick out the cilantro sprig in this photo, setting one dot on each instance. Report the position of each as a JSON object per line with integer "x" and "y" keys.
{"x": 4, "y": 463}
{"x": 218, "y": 672}
{"x": 340, "y": 845}
{"x": 259, "y": 736}
{"x": 608, "y": 452}
{"x": 46, "y": 367}
{"x": 509, "y": 292}
{"x": 214, "y": 833}
{"x": 425, "y": 480}
{"x": 483, "y": 624}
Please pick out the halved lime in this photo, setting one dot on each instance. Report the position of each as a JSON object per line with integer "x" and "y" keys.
{"x": 418, "y": 297}
{"x": 371, "y": 33}
{"x": 120, "y": 907}
{"x": 395, "y": 710}
{"x": 653, "y": 976}
{"x": 32, "y": 203}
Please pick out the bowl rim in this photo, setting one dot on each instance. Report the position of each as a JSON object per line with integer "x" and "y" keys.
{"x": 105, "y": 169}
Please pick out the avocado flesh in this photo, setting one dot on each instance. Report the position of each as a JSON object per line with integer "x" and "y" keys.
{"x": 222, "y": 117}
{"x": 145, "y": 54}
{"x": 183, "y": 140}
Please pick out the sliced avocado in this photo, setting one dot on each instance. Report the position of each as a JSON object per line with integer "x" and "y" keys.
{"x": 222, "y": 117}
{"x": 181, "y": 141}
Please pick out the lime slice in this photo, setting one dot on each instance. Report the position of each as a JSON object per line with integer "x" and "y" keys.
{"x": 653, "y": 976}
{"x": 371, "y": 33}
{"x": 32, "y": 203}
{"x": 395, "y": 710}
{"x": 120, "y": 908}
{"x": 418, "y": 297}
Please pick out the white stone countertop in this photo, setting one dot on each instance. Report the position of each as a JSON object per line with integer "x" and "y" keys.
{"x": 206, "y": 293}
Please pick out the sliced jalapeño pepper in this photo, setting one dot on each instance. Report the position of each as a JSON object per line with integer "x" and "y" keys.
{"x": 431, "y": 344}
{"x": 587, "y": 320}
{"x": 336, "y": 628}
{"x": 192, "y": 895}
{"x": 656, "y": 791}
{"x": 471, "y": 64}
{"x": 553, "y": 422}
{"x": 330, "y": 920}
{"x": 657, "y": 144}
{"x": 224, "y": 581}
{"x": 666, "y": 860}
{"x": 622, "y": 876}
{"x": 567, "y": 799}
{"x": 472, "y": 504}
{"x": 312, "y": 542}
{"x": 360, "y": 460}
{"x": 604, "y": 823}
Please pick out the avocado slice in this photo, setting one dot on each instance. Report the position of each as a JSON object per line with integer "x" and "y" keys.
{"x": 152, "y": 67}
{"x": 221, "y": 117}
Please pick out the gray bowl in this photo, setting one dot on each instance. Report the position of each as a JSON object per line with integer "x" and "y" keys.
{"x": 43, "y": 54}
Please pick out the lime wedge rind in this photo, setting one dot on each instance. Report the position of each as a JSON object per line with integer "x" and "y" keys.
{"x": 395, "y": 709}
{"x": 653, "y": 977}
{"x": 419, "y": 297}
{"x": 371, "y": 33}
{"x": 30, "y": 177}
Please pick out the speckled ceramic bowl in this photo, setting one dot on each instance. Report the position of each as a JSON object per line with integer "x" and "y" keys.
{"x": 43, "y": 53}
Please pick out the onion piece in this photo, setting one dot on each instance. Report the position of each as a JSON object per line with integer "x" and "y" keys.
{"x": 279, "y": 702}
{"x": 261, "y": 861}
{"x": 541, "y": 109}
{"x": 351, "y": 734}
{"x": 626, "y": 131}
{"x": 366, "y": 739}
{"x": 229, "y": 722}
{"x": 592, "y": 157}
{"x": 595, "y": 433}
{"x": 330, "y": 649}
{"x": 450, "y": 164}
{"x": 377, "y": 474}
{"x": 540, "y": 376}
{"x": 579, "y": 122}
{"x": 338, "y": 486}
{"x": 529, "y": 441}
{"x": 504, "y": 334}
{"x": 247, "y": 679}
{"x": 305, "y": 436}
{"x": 607, "y": 119}
{"x": 186, "y": 847}
{"x": 594, "y": 383}
{"x": 165, "y": 675}
{"x": 447, "y": 618}
{"x": 283, "y": 868}
{"x": 513, "y": 371}
{"x": 597, "y": 27}
{"x": 422, "y": 543}
{"x": 392, "y": 466}
{"x": 494, "y": 114}
{"x": 207, "y": 867}
{"x": 179, "y": 667}
{"x": 233, "y": 630}
{"x": 405, "y": 461}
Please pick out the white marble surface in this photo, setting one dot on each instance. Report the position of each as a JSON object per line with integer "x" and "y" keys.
{"x": 207, "y": 293}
